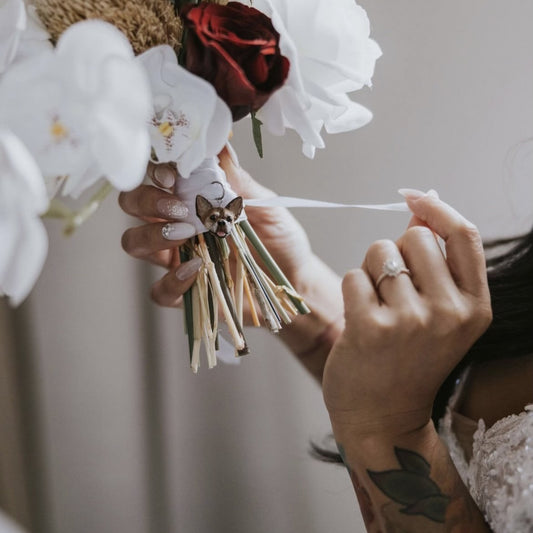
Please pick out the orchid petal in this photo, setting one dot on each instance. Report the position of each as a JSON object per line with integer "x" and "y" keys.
{"x": 27, "y": 262}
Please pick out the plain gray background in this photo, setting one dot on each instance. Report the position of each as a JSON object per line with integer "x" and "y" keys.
{"x": 129, "y": 439}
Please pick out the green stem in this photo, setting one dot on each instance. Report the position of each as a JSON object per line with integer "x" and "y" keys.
{"x": 79, "y": 217}
{"x": 187, "y": 306}
{"x": 272, "y": 266}
{"x": 58, "y": 209}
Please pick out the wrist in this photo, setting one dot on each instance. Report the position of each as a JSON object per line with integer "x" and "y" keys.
{"x": 375, "y": 428}
{"x": 310, "y": 337}
{"x": 365, "y": 447}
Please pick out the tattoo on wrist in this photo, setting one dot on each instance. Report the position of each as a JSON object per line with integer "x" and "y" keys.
{"x": 411, "y": 487}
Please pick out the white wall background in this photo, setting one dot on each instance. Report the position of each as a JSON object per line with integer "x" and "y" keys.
{"x": 130, "y": 440}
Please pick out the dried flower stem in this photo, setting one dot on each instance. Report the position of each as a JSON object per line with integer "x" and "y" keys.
{"x": 205, "y": 318}
{"x": 260, "y": 289}
{"x": 238, "y": 339}
{"x": 266, "y": 282}
{"x": 197, "y": 321}
{"x": 187, "y": 305}
{"x": 213, "y": 247}
{"x": 241, "y": 273}
{"x": 283, "y": 297}
{"x": 251, "y": 303}
{"x": 80, "y": 216}
{"x": 239, "y": 288}
{"x": 272, "y": 267}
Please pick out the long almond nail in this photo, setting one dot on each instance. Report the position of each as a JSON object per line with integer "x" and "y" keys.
{"x": 175, "y": 231}
{"x": 188, "y": 269}
{"x": 171, "y": 208}
{"x": 433, "y": 193}
{"x": 411, "y": 194}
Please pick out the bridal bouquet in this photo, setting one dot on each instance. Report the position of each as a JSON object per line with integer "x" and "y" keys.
{"x": 91, "y": 92}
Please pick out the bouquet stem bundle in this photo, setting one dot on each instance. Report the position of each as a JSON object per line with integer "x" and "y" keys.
{"x": 217, "y": 289}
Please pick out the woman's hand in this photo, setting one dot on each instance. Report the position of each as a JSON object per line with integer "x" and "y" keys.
{"x": 278, "y": 229}
{"x": 310, "y": 337}
{"x": 404, "y": 337}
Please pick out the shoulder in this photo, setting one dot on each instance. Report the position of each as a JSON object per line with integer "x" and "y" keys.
{"x": 497, "y": 389}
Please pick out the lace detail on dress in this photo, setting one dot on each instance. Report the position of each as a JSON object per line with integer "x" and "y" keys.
{"x": 500, "y": 473}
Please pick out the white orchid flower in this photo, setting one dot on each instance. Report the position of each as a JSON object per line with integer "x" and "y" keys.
{"x": 23, "y": 238}
{"x": 21, "y": 32}
{"x": 190, "y": 122}
{"x": 331, "y": 54}
{"x": 82, "y": 108}
{"x": 34, "y": 38}
{"x": 12, "y": 24}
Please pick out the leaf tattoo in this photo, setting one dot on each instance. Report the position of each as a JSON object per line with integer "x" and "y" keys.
{"x": 412, "y": 487}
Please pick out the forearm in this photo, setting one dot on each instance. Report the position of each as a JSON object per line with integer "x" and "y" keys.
{"x": 408, "y": 483}
{"x": 311, "y": 337}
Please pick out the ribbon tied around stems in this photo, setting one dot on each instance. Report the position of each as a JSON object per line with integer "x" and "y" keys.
{"x": 209, "y": 181}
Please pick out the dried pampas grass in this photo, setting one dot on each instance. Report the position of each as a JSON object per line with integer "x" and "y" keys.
{"x": 145, "y": 23}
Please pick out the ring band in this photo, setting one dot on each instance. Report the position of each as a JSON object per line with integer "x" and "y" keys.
{"x": 391, "y": 269}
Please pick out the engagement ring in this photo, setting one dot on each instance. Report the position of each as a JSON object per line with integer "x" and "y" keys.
{"x": 391, "y": 269}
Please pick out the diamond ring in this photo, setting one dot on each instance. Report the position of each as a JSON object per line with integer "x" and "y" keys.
{"x": 391, "y": 269}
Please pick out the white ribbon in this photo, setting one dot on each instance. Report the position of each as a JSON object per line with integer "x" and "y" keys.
{"x": 209, "y": 180}
{"x": 289, "y": 201}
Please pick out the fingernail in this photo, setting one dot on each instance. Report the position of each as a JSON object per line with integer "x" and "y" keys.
{"x": 171, "y": 208}
{"x": 433, "y": 193}
{"x": 186, "y": 270}
{"x": 177, "y": 230}
{"x": 411, "y": 194}
{"x": 164, "y": 175}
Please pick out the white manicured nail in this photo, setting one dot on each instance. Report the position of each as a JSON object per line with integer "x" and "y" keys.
{"x": 172, "y": 208}
{"x": 433, "y": 193}
{"x": 411, "y": 193}
{"x": 175, "y": 231}
{"x": 189, "y": 268}
{"x": 165, "y": 176}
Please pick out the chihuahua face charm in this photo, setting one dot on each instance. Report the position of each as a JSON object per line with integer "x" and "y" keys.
{"x": 218, "y": 220}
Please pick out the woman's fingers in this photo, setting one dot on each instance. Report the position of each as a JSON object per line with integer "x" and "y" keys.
{"x": 359, "y": 294}
{"x": 429, "y": 270}
{"x": 148, "y": 202}
{"x": 393, "y": 290}
{"x": 415, "y": 221}
{"x": 464, "y": 249}
{"x": 143, "y": 241}
{"x": 239, "y": 179}
{"x": 170, "y": 288}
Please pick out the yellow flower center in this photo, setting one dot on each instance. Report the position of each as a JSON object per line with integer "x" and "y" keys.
{"x": 58, "y": 130}
{"x": 166, "y": 129}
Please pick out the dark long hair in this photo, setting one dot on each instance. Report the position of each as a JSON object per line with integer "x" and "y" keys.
{"x": 510, "y": 277}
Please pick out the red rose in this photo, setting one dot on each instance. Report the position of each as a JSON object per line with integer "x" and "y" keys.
{"x": 236, "y": 49}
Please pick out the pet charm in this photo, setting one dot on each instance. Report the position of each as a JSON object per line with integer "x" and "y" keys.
{"x": 219, "y": 219}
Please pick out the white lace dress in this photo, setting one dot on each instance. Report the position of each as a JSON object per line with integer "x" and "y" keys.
{"x": 499, "y": 474}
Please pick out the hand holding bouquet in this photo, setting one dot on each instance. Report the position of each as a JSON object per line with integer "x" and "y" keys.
{"x": 83, "y": 100}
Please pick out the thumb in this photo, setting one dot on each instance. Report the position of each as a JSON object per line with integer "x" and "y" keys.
{"x": 241, "y": 182}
